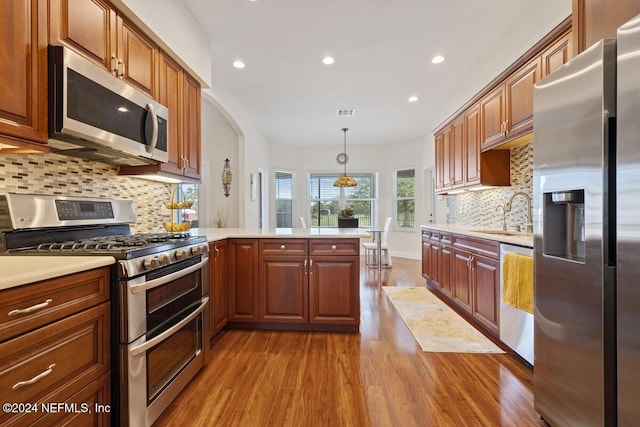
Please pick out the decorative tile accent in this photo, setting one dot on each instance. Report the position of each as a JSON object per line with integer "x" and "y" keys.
{"x": 480, "y": 208}
{"x": 69, "y": 176}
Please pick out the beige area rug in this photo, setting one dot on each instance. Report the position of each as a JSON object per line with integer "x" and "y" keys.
{"x": 436, "y": 326}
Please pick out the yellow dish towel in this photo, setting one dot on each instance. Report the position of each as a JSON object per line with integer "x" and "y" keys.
{"x": 517, "y": 273}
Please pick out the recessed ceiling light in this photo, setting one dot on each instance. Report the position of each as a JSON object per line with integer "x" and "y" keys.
{"x": 238, "y": 64}
{"x": 413, "y": 98}
{"x": 328, "y": 60}
{"x": 437, "y": 59}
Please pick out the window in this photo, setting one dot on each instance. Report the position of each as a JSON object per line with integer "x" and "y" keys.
{"x": 284, "y": 200}
{"x": 405, "y": 195}
{"x": 325, "y": 199}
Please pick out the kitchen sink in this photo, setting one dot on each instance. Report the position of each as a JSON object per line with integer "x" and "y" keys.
{"x": 503, "y": 232}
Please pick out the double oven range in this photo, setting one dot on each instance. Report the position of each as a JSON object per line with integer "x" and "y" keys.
{"x": 158, "y": 291}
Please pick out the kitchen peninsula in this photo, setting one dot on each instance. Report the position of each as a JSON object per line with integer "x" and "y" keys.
{"x": 284, "y": 279}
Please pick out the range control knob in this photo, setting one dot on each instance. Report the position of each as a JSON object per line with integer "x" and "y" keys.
{"x": 164, "y": 259}
{"x": 196, "y": 250}
{"x": 181, "y": 254}
{"x": 151, "y": 263}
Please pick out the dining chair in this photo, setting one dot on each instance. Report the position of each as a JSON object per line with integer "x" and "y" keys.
{"x": 371, "y": 248}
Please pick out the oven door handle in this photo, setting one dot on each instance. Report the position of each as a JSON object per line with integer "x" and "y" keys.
{"x": 135, "y": 351}
{"x": 135, "y": 289}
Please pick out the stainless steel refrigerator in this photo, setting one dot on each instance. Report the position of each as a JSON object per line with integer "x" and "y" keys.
{"x": 587, "y": 236}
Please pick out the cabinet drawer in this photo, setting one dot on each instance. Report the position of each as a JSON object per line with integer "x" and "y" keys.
{"x": 53, "y": 362}
{"x": 28, "y": 307}
{"x": 282, "y": 247}
{"x": 484, "y": 247}
{"x": 435, "y": 236}
{"x": 334, "y": 247}
{"x": 445, "y": 238}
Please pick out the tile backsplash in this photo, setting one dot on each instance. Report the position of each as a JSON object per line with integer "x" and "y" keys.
{"x": 480, "y": 208}
{"x": 68, "y": 176}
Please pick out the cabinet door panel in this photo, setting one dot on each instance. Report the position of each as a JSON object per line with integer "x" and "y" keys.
{"x": 23, "y": 74}
{"x": 447, "y": 170}
{"x": 426, "y": 251}
{"x": 138, "y": 55}
{"x": 243, "y": 280}
{"x": 434, "y": 259}
{"x": 492, "y": 116}
{"x": 457, "y": 152}
{"x": 487, "y": 276}
{"x": 334, "y": 290}
{"x": 556, "y": 55}
{"x": 219, "y": 293}
{"x": 519, "y": 88}
{"x": 169, "y": 90}
{"x": 191, "y": 130}
{"x": 283, "y": 289}
{"x": 439, "y": 148}
{"x": 87, "y": 26}
{"x": 472, "y": 145}
{"x": 445, "y": 270}
{"x": 461, "y": 280}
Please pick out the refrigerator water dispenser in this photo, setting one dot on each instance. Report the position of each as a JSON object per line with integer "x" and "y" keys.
{"x": 563, "y": 232}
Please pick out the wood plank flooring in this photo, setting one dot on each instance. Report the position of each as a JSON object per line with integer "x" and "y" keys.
{"x": 379, "y": 377}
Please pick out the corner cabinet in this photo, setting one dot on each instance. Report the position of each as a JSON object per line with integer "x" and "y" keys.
{"x": 23, "y": 73}
{"x": 465, "y": 271}
{"x": 301, "y": 284}
{"x": 55, "y": 348}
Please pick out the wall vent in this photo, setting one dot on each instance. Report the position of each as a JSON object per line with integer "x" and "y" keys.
{"x": 346, "y": 112}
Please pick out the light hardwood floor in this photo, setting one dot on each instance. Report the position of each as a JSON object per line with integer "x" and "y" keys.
{"x": 379, "y": 377}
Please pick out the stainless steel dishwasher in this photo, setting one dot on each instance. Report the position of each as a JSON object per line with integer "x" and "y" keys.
{"x": 516, "y": 326}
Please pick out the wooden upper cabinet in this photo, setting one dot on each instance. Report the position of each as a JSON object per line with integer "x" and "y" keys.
{"x": 447, "y": 174}
{"x": 93, "y": 29}
{"x": 557, "y": 54}
{"x": 191, "y": 146}
{"x": 439, "y": 147}
{"x": 136, "y": 57}
{"x": 472, "y": 145}
{"x": 457, "y": 152}
{"x": 599, "y": 19}
{"x": 86, "y": 26}
{"x": 492, "y": 113}
{"x": 23, "y": 70}
{"x": 169, "y": 92}
{"x": 519, "y": 97}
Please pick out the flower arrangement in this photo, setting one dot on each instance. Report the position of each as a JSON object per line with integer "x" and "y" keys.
{"x": 346, "y": 212}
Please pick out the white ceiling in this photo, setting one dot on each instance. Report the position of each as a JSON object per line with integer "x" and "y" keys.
{"x": 382, "y": 50}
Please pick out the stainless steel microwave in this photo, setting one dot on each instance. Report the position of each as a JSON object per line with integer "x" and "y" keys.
{"x": 96, "y": 116}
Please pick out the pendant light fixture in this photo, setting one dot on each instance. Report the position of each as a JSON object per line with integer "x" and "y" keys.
{"x": 342, "y": 159}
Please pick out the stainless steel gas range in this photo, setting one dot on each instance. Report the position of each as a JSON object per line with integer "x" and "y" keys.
{"x": 158, "y": 291}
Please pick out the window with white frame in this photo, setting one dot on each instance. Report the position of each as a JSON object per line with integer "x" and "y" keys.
{"x": 325, "y": 200}
{"x": 405, "y": 198}
{"x": 284, "y": 199}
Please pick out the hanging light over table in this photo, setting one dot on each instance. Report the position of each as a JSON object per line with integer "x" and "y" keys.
{"x": 342, "y": 159}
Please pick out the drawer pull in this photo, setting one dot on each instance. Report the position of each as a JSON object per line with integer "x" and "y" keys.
{"x": 30, "y": 309}
{"x": 334, "y": 247}
{"x": 283, "y": 248}
{"x": 34, "y": 379}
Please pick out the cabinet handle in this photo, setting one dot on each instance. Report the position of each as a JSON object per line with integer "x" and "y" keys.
{"x": 334, "y": 248}
{"x": 30, "y": 309}
{"x": 283, "y": 248}
{"x": 305, "y": 267}
{"x": 310, "y": 266}
{"x": 217, "y": 252}
{"x": 34, "y": 379}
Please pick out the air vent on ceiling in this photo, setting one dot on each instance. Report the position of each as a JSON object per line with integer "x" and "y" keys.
{"x": 346, "y": 112}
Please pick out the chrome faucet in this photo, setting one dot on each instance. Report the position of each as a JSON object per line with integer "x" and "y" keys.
{"x": 529, "y": 224}
{"x": 504, "y": 217}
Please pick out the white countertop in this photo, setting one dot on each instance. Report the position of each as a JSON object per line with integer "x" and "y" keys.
{"x": 22, "y": 270}
{"x": 514, "y": 238}
{"x": 214, "y": 234}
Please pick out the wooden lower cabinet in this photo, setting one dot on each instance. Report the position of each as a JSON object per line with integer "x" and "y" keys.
{"x": 219, "y": 287}
{"x": 334, "y": 291}
{"x": 58, "y": 361}
{"x": 243, "y": 280}
{"x": 297, "y": 284}
{"x": 466, "y": 272}
{"x": 283, "y": 289}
